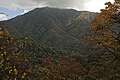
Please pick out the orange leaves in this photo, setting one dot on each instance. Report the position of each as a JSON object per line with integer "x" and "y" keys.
{"x": 105, "y": 28}
{"x": 108, "y": 12}
{"x": 106, "y": 32}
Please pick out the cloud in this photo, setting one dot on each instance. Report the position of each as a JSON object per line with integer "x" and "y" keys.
{"x": 19, "y": 7}
{"x": 74, "y": 4}
{"x": 96, "y": 5}
{"x": 3, "y": 16}
{"x": 78, "y": 4}
{"x": 25, "y": 11}
{"x": 30, "y": 4}
{"x": 14, "y": 4}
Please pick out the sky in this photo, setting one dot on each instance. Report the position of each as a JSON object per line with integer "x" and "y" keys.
{"x": 12, "y": 8}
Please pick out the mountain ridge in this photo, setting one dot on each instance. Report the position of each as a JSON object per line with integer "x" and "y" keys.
{"x": 53, "y": 27}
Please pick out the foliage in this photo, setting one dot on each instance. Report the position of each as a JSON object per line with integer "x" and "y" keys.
{"x": 48, "y": 63}
{"x": 106, "y": 29}
{"x": 61, "y": 68}
{"x": 14, "y": 65}
{"x": 59, "y": 28}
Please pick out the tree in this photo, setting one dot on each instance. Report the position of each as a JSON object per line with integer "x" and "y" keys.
{"x": 61, "y": 68}
{"x": 106, "y": 29}
{"x": 14, "y": 64}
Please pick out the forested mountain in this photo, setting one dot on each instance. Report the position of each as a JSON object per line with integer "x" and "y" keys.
{"x": 60, "y": 28}
{"x": 61, "y": 44}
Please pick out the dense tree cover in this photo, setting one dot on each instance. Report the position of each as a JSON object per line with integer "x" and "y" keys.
{"x": 53, "y": 27}
{"x": 61, "y": 68}
{"x": 22, "y": 60}
{"x": 17, "y": 64}
{"x": 14, "y": 65}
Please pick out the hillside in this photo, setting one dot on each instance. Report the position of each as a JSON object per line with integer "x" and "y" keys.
{"x": 52, "y": 27}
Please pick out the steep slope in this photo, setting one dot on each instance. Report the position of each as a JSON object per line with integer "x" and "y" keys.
{"x": 59, "y": 28}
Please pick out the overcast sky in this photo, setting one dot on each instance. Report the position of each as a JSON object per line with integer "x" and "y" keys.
{"x": 12, "y": 8}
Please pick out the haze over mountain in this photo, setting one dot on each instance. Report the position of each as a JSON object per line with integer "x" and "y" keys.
{"x": 60, "y": 28}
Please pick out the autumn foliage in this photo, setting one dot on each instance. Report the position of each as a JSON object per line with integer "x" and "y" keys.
{"x": 61, "y": 68}
{"x": 20, "y": 63}
{"x": 13, "y": 63}
{"x": 106, "y": 29}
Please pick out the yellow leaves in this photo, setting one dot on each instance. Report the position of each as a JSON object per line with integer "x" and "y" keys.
{"x": 4, "y": 52}
{"x": 1, "y": 55}
{"x": 23, "y": 76}
{"x": 12, "y": 63}
{"x": 10, "y": 71}
{"x": 8, "y": 59}
{"x": 15, "y": 71}
{"x": 15, "y": 79}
